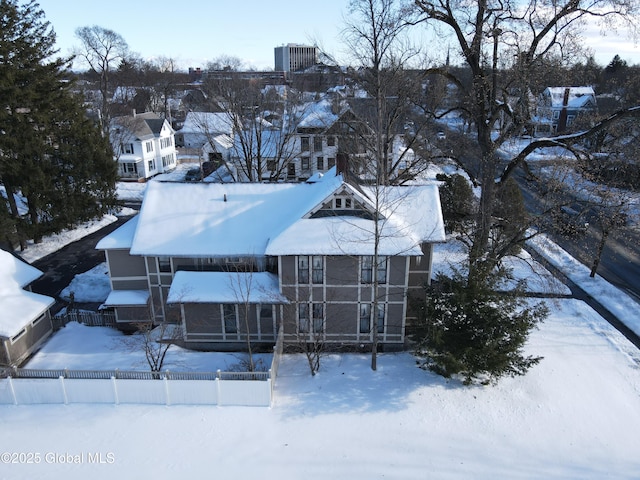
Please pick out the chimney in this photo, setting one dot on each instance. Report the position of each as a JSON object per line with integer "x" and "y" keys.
{"x": 562, "y": 119}
{"x": 342, "y": 164}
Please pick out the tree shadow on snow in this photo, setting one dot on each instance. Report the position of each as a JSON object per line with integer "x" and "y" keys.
{"x": 346, "y": 383}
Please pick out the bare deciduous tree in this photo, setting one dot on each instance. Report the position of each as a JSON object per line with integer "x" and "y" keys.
{"x": 102, "y": 49}
{"x": 502, "y": 44}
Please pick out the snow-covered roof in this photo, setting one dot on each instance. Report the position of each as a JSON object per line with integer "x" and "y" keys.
{"x": 411, "y": 216}
{"x": 121, "y": 238}
{"x": 19, "y": 307}
{"x": 220, "y": 220}
{"x": 207, "y": 122}
{"x": 16, "y": 271}
{"x": 318, "y": 115}
{"x": 256, "y": 219}
{"x": 578, "y": 96}
{"x": 126, "y": 298}
{"x": 225, "y": 287}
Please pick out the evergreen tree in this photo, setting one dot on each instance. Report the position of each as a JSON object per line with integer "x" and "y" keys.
{"x": 472, "y": 330}
{"x": 50, "y": 153}
{"x": 457, "y": 200}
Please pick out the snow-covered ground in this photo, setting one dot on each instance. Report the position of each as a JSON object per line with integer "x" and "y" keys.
{"x": 574, "y": 415}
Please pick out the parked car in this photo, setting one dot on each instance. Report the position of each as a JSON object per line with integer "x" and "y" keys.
{"x": 193, "y": 175}
{"x": 441, "y": 135}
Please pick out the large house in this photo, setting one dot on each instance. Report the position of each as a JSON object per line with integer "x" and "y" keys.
{"x": 224, "y": 259}
{"x": 143, "y": 145}
{"x": 25, "y": 322}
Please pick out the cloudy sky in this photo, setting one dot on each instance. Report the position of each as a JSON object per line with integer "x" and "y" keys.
{"x": 194, "y": 32}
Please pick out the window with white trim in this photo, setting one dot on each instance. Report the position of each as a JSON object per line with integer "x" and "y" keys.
{"x": 317, "y": 269}
{"x": 230, "y": 318}
{"x": 303, "y": 317}
{"x": 366, "y": 269}
{"x": 365, "y": 318}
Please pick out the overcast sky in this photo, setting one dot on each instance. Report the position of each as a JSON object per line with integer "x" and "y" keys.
{"x": 194, "y": 32}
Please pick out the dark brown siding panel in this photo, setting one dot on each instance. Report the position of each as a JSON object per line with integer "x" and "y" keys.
{"x": 342, "y": 270}
{"x": 121, "y": 264}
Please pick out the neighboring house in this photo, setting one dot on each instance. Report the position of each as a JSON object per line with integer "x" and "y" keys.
{"x": 201, "y": 128}
{"x": 216, "y": 257}
{"x": 143, "y": 145}
{"x": 330, "y": 127}
{"x": 25, "y": 321}
{"x": 558, "y": 108}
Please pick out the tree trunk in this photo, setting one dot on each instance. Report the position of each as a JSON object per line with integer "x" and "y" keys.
{"x": 598, "y": 255}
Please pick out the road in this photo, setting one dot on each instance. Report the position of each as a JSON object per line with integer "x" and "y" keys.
{"x": 620, "y": 261}
{"x": 60, "y": 267}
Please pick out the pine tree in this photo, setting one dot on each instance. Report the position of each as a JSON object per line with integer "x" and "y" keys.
{"x": 50, "y": 153}
{"x": 475, "y": 331}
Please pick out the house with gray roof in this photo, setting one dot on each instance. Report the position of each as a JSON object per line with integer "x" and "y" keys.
{"x": 143, "y": 145}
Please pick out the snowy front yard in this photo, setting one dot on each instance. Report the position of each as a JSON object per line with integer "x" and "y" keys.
{"x": 575, "y": 415}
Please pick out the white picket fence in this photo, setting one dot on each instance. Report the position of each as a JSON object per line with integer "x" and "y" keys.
{"x": 26, "y": 386}
{"x": 163, "y": 391}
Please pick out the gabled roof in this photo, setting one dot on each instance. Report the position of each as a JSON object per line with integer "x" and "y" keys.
{"x": 212, "y": 123}
{"x": 142, "y": 125}
{"x": 19, "y": 307}
{"x": 256, "y": 219}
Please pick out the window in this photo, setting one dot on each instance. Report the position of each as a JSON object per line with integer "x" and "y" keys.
{"x": 126, "y": 148}
{"x": 317, "y": 144}
{"x": 317, "y": 274}
{"x": 365, "y": 318}
{"x": 168, "y": 160}
{"x": 342, "y": 202}
{"x": 129, "y": 168}
{"x": 304, "y": 144}
{"x": 17, "y": 336}
{"x": 271, "y": 165}
{"x": 331, "y": 162}
{"x": 380, "y": 318}
{"x": 149, "y": 146}
{"x": 318, "y": 317}
{"x": 229, "y": 316}
{"x": 366, "y": 270}
{"x": 556, "y": 114}
{"x": 266, "y": 312}
{"x": 38, "y": 320}
{"x": 303, "y": 269}
{"x": 320, "y": 163}
{"x": 166, "y": 142}
{"x": 152, "y": 165}
{"x": 303, "y": 317}
{"x": 331, "y": 141}
{"x": 164, "y": 264}
{"x": 304, "y": 163}
{"x": 317, "y": 310}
